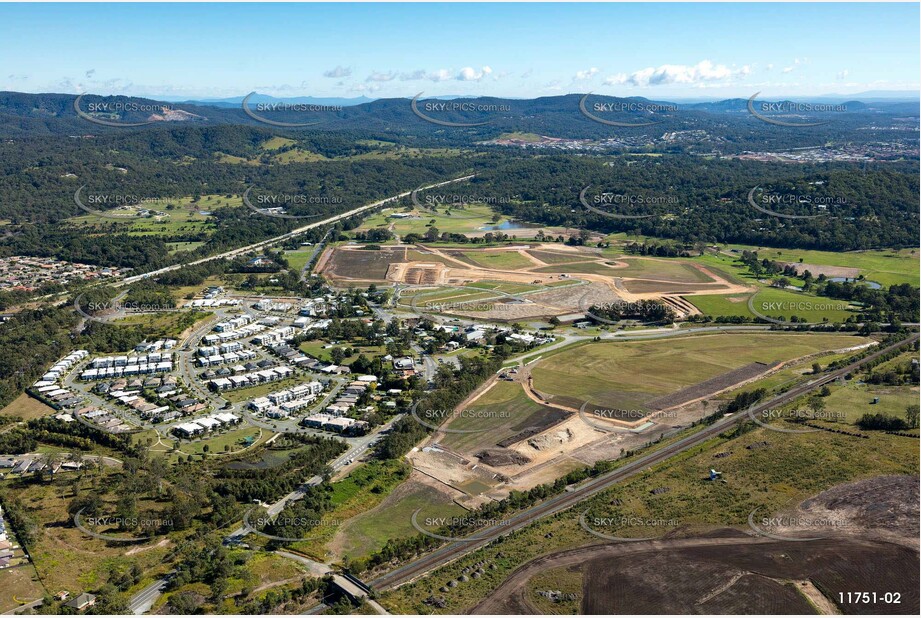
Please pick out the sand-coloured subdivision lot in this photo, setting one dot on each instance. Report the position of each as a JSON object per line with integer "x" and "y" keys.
{"x": 828, "y": 271}
{"x": 524, "y": 436}
{"x": 344, "y": 264}
{"x": 555, "y": 280}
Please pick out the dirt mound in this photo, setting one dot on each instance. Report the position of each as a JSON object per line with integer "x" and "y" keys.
{"x": 502, "y": 457}
{"x": 550, "y": 440}
{"x": 883, "y": 504}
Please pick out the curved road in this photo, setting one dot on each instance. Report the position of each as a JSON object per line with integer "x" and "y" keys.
{"x": 562, "y": 502}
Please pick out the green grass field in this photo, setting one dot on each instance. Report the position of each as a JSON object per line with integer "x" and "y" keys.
{"x": 627, "y": 374}
{"x": 502, "y": 408}
{"x": 790, "y": 469}
{"x": 464, "y": 221}
{"x": 885, "y": 267}
{"x": 502, "y": 260}
{"x": 297, "y": 259}
{"x": 391, "y": 519}
{"x": 774, "y": 303}
{"x": 185, "y": 216}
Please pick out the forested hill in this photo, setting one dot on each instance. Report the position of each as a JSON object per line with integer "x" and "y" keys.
{"x": 727, "y": 126}
{"x": 696, "y": 199}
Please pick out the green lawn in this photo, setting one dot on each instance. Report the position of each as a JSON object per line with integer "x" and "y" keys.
{"x": 506, "y": 260}
{"x": 774, "y": 303}
{"x": 391, "y": 519}
{"x": 297, "y": 259}
{"x": 184, "y": 216}
{"x": 463, "y": 220}
{"x": 499, "y": 412}
{"x": 885, "y": 267}
{"x": 628, "y": 374}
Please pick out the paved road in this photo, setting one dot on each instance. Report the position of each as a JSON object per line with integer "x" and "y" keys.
{"x": 562, "y": 502}
{"x": 276, "y": 239}
{"x": 144, "y": 600}
{"x": 357, "y": 448}
{"x": 25, "y": 607}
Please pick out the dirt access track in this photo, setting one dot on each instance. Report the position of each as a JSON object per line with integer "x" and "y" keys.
{"x": 737, "y": 574}
{"x": 732, "y": 571}
{"x": 603, "y": 279}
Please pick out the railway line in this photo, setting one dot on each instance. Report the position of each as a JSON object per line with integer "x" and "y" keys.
{"x": 457, "y": 549}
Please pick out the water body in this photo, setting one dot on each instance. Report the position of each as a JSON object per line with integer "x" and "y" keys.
{"x": 510, "y": 225}
{"x": 873, "y": 285}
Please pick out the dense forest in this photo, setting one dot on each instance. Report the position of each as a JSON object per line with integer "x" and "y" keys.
{"x": 693, "y": 199}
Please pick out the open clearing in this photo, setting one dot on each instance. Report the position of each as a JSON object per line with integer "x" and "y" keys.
{"x": 27, "y": 408}
{"x": 725, "y": 571}
{"x": 528, "y": 431}
{"x": 629, "y": 375}
{"x": 885, "y": 267}
{"x": 544, "y": 269}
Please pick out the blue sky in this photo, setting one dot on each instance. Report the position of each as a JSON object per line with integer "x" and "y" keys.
{"x": 517, "y": 50}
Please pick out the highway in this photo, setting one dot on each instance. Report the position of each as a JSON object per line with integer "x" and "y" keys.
{"x": 276, "y": 239}
{"x": 562, "y": 502}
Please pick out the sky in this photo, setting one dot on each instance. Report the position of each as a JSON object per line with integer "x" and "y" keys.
{"x": 658, "y": 51}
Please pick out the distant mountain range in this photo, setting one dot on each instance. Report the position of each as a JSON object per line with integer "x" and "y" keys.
{"x": 561, "y": 116}
{"x": 264, "y": 98}
{"x": 870, "y": 96}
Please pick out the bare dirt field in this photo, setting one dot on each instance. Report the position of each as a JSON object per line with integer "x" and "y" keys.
{"x": 729, "y": 571}
{"x": 539, "y": 267}
{"x": 828, "y": 271}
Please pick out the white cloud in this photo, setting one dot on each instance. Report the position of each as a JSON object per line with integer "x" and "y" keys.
{"x": 843, "y": 74}
{"x": 338, "y": 72}
{"x": 769, "y": 67}
{"x": 586, "y": 74}
{"x": 365, "y": 88}
{"x": 467, "y": 74}
{"x": 701, "y": 73}
{"x": 796, "y": 63}
{"x": 381, "y": 77}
